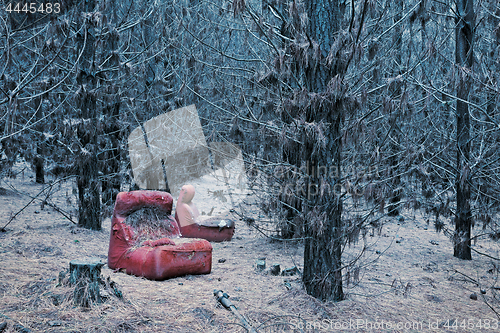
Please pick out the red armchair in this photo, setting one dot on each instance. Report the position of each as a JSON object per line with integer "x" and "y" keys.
{"x": 156, "y": 254}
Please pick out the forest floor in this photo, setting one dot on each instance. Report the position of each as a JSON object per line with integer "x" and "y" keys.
{"x": 408, "y": 279}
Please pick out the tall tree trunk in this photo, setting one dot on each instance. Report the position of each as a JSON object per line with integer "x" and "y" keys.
{"x": 89, "y": 205}
{"x": 323, "y": 245}
{"x": 110, "y": 164}
{"x": 463, "y": 57}
{"x": 290, "y": 202}
{"x": 395, "y": 93}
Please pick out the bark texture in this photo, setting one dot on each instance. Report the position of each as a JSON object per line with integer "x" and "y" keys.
{"x": 89, "y": 189}
{"x": 323, "y": 245}
{"x": 464, "y": 57}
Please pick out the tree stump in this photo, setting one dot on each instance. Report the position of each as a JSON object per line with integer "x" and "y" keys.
{"x": 85, "y": 275}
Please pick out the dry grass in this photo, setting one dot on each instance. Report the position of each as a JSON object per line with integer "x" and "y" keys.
{"x": 151, "y": 216}
{"x": 150, "y": 223}
{"x": 413, "y": 280}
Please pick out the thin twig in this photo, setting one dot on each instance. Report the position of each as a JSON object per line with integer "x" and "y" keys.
{"x": 484, "y": 254}
{"x": 20, "y": 211}
{"x": 33, "y": 199}
{"x": 468, "y": 277}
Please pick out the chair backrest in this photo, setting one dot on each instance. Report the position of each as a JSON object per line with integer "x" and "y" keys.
{"x": 128, "y": 203}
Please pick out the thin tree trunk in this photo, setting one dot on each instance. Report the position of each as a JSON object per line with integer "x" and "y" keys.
{"x": 38, "y": 160}
{"x": 463, "y": 58}
{"x": 290, "y": 202}
{"x": 110, "y": 164}
{"x": 395, "y": 91}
